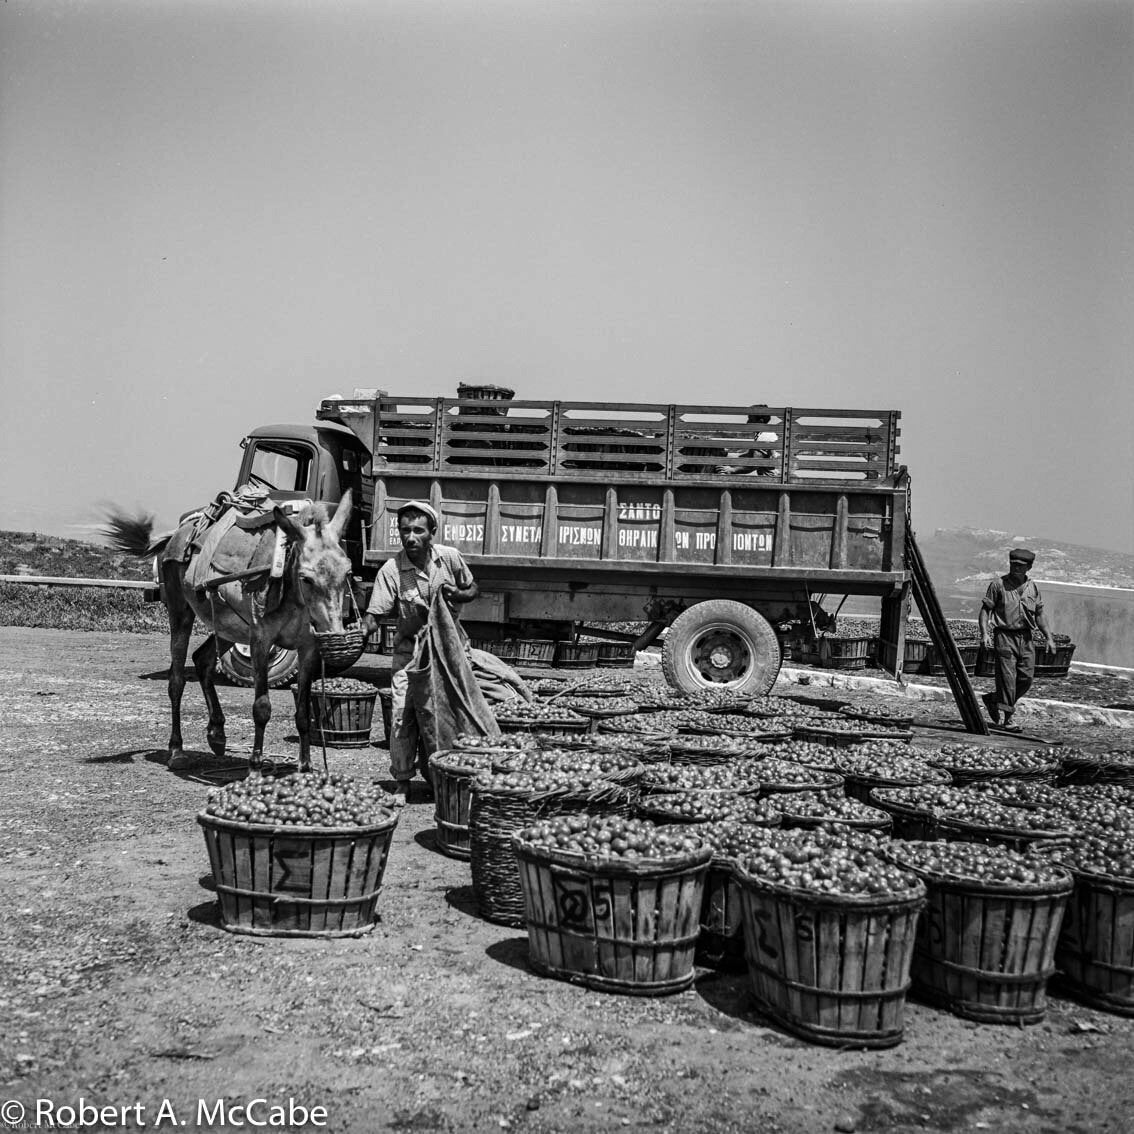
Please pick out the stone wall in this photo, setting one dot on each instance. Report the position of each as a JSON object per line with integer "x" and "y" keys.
{"x": 1099, "y": 620}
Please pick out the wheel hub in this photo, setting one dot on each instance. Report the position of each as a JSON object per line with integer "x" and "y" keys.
{"x": 721, "y": 656}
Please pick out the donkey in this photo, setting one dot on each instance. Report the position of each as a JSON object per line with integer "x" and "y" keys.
{"x": 308, "y": 599}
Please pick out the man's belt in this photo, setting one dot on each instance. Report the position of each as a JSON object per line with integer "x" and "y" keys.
{"x": 1012, "y": 630}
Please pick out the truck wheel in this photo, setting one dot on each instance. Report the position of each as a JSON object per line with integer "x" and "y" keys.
{"x": 236, "y": 665}
{"x": 721, "y": 643}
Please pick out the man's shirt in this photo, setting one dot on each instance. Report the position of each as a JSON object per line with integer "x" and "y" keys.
{"x": 1013, "y": 606}
{"x": 408, "y": 590}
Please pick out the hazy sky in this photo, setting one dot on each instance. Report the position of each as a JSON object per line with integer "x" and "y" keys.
{"x": 212, "y": 215}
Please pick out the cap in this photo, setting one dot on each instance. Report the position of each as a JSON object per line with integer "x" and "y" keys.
{"x": 420, "y": 506}
{"x": 1022, "y": 554}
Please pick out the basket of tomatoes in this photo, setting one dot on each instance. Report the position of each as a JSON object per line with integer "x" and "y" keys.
{"x": 612, "y": 903}
{"x": 300, "y": 855}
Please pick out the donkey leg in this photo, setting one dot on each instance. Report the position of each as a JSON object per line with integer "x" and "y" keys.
{"x": 304, "y": 677}
{"x": 261, "y": 701}
{"x": 181, "y": 618}
{"x": 205, "y": 662}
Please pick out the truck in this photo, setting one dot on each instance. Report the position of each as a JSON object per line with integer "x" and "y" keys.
{"x": 721, "y": 529}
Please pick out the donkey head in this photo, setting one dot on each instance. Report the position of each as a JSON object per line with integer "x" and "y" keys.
{"x": 323, "y": 568}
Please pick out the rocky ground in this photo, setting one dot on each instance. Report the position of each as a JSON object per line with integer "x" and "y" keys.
{"x": 121, "y": 988}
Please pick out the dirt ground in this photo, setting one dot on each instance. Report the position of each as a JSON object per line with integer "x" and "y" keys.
{"x": 121, "y": 989}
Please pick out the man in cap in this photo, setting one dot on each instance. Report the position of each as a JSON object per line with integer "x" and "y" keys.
{"x": 406, "y": 584}
{"x": 1012, "y": 609}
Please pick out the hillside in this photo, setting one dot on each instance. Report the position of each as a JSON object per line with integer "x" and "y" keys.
{"x": 29, "y": 553}
{"x": 961, "y": 561}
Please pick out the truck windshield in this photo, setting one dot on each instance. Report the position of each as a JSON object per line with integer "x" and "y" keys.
{"x": 280, "y": 466}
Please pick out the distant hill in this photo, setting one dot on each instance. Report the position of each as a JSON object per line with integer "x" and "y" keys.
{"x": 961, "y": 561}
{"x": 29, "y": 553}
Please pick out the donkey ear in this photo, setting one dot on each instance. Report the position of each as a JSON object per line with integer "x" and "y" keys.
{"x": 338, "y": 521}
{"x": 293, "y": 530}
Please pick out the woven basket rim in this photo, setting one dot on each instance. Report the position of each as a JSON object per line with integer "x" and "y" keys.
{"x": 901, "y": 901}
{"x": 624, "y": 775}
{"x": 616, "y": 866}
{"x": 326, "y": 635}
{"x": 885, "y": 781}
{"x": 207, "y": 820}
{"x": 948, "y": 820}
{"x": 803, "y": 731}
{"x": 448, "y": 760}
{"x": 984, "y": 885}
{"x": 325, "y": 693}
{"x": 859, "y": 822}
{"x": 530, "y": 723}
{"x": 602, "y": 795}
{"x": 997, "y": 773}
{"x": 1121, "y": 882}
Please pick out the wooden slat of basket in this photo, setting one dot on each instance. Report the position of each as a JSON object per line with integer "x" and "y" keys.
{"x": 261, "y": 875}
{"x": 780, "y": 927}
{"x": 641, "y": 962}
{"x": 851, "y": 1009}
{"x": 1021, "y": 923}
{"x": 995, "y": 918}
{"x": 242, "y": 853}
{"x": 875, "y": 955}
{"x": 320, "y": 883}
{"x": 820, "y": 968}
{"x": 340, "y": 867}
{"x": 226, "y": 851}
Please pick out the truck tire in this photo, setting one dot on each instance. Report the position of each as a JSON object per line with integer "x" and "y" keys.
{"x": 236, "y": 665}
{"x": 721, "y": 644}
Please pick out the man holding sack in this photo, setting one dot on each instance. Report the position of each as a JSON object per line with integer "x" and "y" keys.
{"x": 407, "y": 584}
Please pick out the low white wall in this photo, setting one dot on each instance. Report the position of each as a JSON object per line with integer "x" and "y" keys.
{"x": 1099, "y": 620}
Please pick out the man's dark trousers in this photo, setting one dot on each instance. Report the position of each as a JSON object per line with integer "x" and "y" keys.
{"x": 1015, "y": 667}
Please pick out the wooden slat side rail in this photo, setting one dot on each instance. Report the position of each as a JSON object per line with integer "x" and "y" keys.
{"x": 574, "y": 439}
{"x": 940, "y": 636}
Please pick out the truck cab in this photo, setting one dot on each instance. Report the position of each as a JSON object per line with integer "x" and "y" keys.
{"x": 311, "y": 462}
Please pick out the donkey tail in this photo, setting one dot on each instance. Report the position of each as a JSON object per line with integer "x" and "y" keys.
{"x": 133, "y": 534}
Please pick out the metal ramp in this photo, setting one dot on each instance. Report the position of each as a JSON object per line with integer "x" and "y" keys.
{"x": 938, "y": 628}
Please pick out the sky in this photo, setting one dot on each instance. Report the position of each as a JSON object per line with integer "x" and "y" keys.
{"x": 213, "y": 215}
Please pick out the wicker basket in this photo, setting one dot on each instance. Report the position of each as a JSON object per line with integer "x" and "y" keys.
{"x": 1097, "y": 770}
{"x": 340, "y": 651}
{"x": 297, "y": 881}
{"x": 496, "y": 815}
{"x": 859, "y": 785}
{"x": 612, "y": 924}
{"x": 908, "y": 822}
{"x": 844, "y": 738}
{"x": 879, "y": 826}
{"x": 340, "y": 720}
{"x": 987, "y": 952}
{"x": 1021, "y": 838}
{"x": 963, "y": 777}
{"x": 576, "y": 655}
{"x": 834, "y": 970}
{"x": 1095, "y": 952}
{"x": 826, "y": 783}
